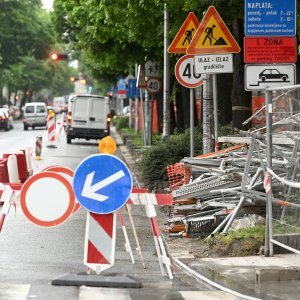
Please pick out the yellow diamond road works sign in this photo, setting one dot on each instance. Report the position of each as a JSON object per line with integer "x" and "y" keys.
{"x": 212, "y": 36}
{"x": 185, "y": 34}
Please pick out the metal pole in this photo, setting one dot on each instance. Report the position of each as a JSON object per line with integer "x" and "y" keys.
{"x": 143, "y": 120}
{"x": 269, "y": 111}
{"x": 166, "y": 92}
{"x": 192, "y": 154}
{"x": 147, "y": 117}
{"x": 136, "y": 125}
{"x": 216, "y": 123}
{"x": 136, "y": 115}
{"x": 130, "y": 112}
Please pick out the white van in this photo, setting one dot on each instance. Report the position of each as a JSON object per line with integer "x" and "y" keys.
{"x": 35, "y": 115}
{"x": 89, "y": 117}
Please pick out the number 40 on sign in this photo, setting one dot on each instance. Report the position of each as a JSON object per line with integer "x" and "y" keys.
{"x": 185, "y": 72}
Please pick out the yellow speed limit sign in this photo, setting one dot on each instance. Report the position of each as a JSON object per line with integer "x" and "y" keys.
{"x": 154, "y": 85}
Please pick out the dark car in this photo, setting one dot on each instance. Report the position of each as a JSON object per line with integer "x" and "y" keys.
{"x": 4, "y": 121}
{"x": 272, "y": 74}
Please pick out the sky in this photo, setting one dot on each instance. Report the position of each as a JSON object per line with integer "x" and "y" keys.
{"x": 47, "y": 4}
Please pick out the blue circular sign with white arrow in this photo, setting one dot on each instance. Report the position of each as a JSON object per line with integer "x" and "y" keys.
{"x": 102, "y": 183}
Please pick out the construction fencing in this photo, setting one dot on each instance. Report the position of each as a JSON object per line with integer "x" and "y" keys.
{"x": 282, "y": 173}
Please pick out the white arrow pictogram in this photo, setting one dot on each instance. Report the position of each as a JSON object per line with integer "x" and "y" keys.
{"x": 89, "y": 190}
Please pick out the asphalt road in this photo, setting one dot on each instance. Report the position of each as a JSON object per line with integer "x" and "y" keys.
{"x": 32, "y": 256}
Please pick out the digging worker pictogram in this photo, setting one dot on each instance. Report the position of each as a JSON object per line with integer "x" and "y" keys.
{"x": 188, "y": 36}
{"x": 209, "y": 34}
{"x": 209, "y": 31}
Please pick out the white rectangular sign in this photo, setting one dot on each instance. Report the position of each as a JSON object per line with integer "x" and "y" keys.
{"x": 213, "y": 63}
{"x": 260, "y": 77}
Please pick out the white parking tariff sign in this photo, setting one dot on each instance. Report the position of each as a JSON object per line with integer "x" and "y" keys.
{"x": 260, "y": 77}
{"x": 185, "y": 72}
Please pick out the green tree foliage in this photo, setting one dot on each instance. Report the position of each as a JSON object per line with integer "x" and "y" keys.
{"x": 26, "y": 38}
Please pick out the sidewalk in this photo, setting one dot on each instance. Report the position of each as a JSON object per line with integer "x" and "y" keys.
{"x": 276, "y": 277}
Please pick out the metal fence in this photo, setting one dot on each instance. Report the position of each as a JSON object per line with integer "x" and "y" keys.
{"x": 282, "y": 182}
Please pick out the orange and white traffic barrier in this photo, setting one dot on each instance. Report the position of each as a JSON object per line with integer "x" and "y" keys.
{"x": 142, "y": 198}
{"x": 127, "y": 243}
{"x": 51, "y": 131}
{"x": 38, "y": 147}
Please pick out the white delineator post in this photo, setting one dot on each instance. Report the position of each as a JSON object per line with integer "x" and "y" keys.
{"x": 163, "y": 259}
{"x": 100, "y": 241}
{"x": 127, "y": 243}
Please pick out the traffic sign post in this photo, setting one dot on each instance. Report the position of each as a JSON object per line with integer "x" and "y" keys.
{"x": 185, "y": 34}
{"x": 186, "y": 76}
{"x": 54, "y": 207}
{"x": 213, "y": 63}
{"x": 102, "y": 183}
{"x": 213, "y": 37}
{"x": 154, "y": 85}
{"x": 68, "y": 174}
{"x": 259, "y": 77}
{"x": 270, "y": 18}
{"x": 270, "y": 49}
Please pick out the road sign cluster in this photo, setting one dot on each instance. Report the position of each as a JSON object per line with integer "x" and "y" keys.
{"x": 208, "y": 46}
{"x": 270, "y": 46}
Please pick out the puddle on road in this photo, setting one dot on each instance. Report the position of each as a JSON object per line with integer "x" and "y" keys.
{"x": 242, "y": 280}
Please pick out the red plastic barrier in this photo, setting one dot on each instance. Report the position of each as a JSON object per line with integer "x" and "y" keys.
{"x": 3, "y": 171}
{"x": 22, "y": 166}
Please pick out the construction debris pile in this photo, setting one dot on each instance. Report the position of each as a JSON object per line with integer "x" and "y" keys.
{"x": 211, "y": 190}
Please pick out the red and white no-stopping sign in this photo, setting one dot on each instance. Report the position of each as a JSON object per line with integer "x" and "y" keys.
{"x": 68, "y": 174}
{"x": 47, "y": 199}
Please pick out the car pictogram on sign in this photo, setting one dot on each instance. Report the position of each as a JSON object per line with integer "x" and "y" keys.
{"x": 269, "y": 74}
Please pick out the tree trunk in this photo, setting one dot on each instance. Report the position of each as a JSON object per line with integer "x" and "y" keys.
{"x": 224, "y": 82}
{"x": 241, "y": 99}
{"x": 207, "y": 113}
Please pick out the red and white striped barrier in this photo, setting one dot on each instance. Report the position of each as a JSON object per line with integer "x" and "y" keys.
{"x": 155, "y": 199}
{"x": 38, "y": 147}
{"x": 7, "y": 198}
{"x": 100, "y": 241}
{"x": 51, "y": 132}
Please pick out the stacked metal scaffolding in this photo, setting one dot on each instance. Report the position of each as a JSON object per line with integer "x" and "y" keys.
{"x": 243, "y": 179}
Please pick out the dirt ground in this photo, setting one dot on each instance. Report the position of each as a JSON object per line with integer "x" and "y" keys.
{"x": 201, "y": 247}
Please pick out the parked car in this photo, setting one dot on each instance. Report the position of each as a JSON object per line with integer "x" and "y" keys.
{"x": 4, "y": 122}
{"x": 9, "y": 116}
{"x": 35, "y": 115}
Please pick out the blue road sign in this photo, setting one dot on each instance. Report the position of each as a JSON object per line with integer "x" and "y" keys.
{"x": 270, "y": 18}
{"x": 132, "y": 90}
{"x": 102, "y": 183}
